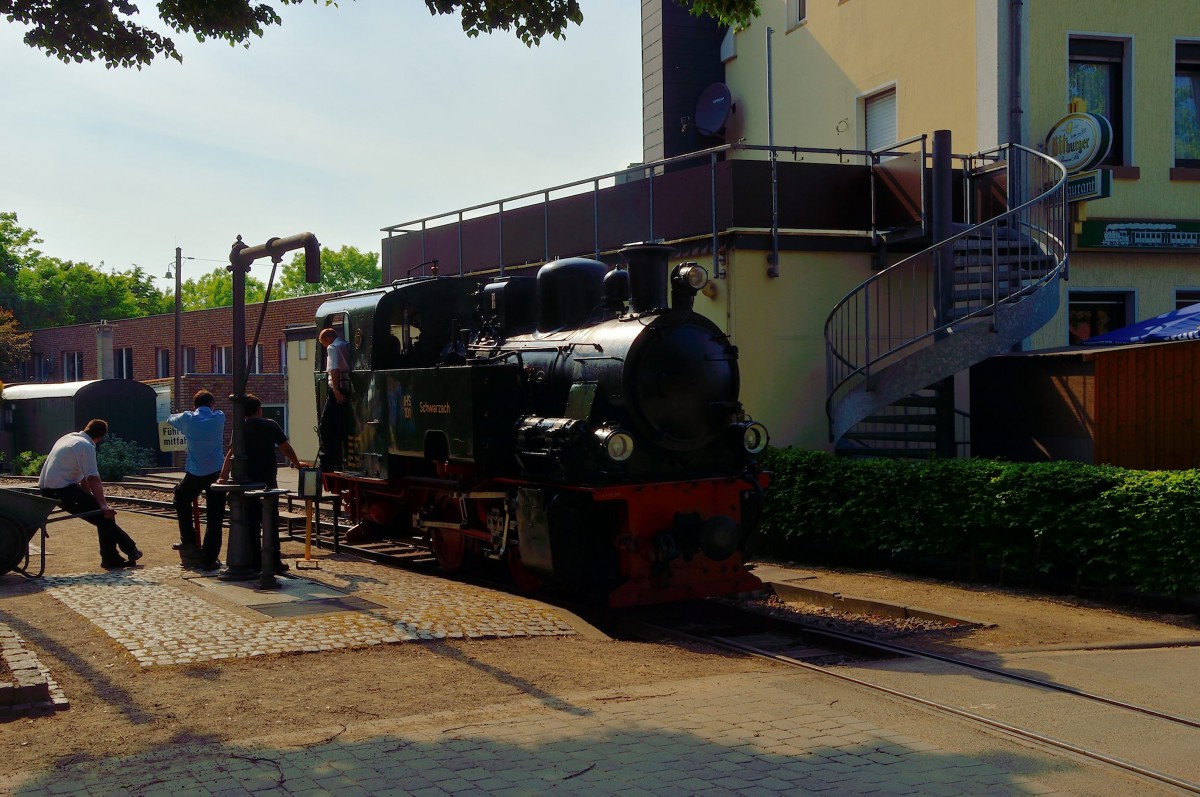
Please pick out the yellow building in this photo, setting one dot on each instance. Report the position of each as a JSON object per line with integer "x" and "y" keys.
{"x": 867, "y": 184}
{"x": 858, "y": 75}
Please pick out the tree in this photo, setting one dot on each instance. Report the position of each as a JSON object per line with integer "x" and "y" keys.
{"x": 45, "y": 291}
{"x": 14, "y": 344}
{"x": 16, "y": 246}
{"x": 347, "y": 269}
{"x": 106, "y": 30}
{"x": 215, "y": 289}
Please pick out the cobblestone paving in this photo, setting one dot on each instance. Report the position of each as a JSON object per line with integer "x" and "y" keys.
{"x": 746, "y": 735}
{"x": 31, "y": 689}
{"x": 161, "y": 621}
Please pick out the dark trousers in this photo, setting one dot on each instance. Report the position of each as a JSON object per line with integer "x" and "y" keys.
{"x": 185, "y": 493}
{"x": 254, "y": 524}
{"x": 332, "y": 431}
{"x": 76, "y": 500}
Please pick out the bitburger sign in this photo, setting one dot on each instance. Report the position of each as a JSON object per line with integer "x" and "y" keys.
{"x": 1079, "y": 141}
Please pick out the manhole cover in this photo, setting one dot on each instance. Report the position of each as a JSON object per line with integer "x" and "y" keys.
{"x": 319, "y": 606}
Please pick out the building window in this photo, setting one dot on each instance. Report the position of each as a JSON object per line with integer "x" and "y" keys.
{"x": 162, "y": 363}
{"x": 222, "y": 359}
{"x": 1186, "y": 298}
{"x": 72, "y": 366}
{"x": 277, "y": 413}
{"x": 283, "y": 357}
{"x": 123, "y": 363}
{"x": 879, "y": 120}
{"x": 1187, "y": 104}
{"x": 797, "y": 13}
{"x": 254, "y": 359}
{"x": 40, "y": 367}
{"x": 1096, "y": 75}
{"x": 302, "y": 349}
{"x": 188, "y": 366}
{"x": 1093, "y": 313}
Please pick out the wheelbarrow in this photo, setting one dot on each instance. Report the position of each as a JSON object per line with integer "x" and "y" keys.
{"x": 21, "y": 516}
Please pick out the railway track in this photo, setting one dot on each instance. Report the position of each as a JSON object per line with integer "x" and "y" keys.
{"x": 855, "y": 659}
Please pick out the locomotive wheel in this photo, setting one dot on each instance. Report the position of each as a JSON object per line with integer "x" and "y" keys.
{"x": 525, "y": 580}
{"x": 14, "y": 545}
{"x": 449, "y": 548}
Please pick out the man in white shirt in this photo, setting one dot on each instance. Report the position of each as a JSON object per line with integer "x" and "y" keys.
{"x": 71, "y": 477}
{"x": 332, "y": 426}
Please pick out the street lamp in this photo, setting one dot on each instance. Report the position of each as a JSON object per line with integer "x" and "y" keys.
{"x": 178, "y": 349}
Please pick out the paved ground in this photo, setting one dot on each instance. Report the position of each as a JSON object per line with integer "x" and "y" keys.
{"x": 773, "y": 732}
{"x": 761, "y": 737}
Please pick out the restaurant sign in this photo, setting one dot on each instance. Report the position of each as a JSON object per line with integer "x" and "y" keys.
{"x": 1096, "y": 184}
{"x": 1079, "y": 141}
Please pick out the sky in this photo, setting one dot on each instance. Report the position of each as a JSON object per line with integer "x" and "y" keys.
{"x": 339, "y": 122}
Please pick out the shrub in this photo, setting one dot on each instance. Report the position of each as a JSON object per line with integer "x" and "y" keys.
{"x": 28, "y": 463}
{"x": 1082, "y": 525}
{"x": 117, "y": 458}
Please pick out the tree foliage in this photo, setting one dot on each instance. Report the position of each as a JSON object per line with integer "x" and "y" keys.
{"x": 215, "y": 289}
{"x": 14, "y": 344}
{"x": 347, "y": 269}
{"x": 43, "y": 291}
{"x": 111, "y": 31}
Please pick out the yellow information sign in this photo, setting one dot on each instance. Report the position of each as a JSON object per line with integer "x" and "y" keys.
{"x": 170, "y": 438}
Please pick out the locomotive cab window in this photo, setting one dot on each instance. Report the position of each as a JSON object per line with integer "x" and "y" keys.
{"x": 338, "y": 322}
{"x": 398, "y": 346}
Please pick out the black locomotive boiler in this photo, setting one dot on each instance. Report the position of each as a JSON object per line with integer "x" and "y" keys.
{"x": 576, "y": 423}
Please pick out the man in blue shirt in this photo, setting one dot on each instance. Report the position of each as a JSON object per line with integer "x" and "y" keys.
{"x": 204, "y": 430}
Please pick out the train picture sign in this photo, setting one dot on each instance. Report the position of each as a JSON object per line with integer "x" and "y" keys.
{"x": 1079, "y": 141}
{"x": 1139, "y": 234}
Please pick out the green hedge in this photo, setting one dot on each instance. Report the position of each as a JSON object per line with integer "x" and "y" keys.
{"x": 1083, "y": 525}
{"x": 116, "y": 458}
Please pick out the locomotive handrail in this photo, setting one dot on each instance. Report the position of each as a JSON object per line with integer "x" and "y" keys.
{"x": 891, "y": 315}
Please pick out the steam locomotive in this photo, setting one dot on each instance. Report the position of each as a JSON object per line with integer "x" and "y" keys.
{"x": 574, "y": 424}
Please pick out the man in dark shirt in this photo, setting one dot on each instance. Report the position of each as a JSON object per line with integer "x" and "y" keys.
{"x": 260, "y": 436}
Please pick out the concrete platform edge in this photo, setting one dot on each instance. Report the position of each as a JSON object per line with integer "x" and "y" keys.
{"x": 790, "y": 593}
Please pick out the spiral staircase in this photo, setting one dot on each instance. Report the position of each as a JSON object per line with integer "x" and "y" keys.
{"x": 895, "y": 342}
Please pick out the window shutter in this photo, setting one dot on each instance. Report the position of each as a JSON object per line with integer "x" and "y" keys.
{"x": 880, "y": 111}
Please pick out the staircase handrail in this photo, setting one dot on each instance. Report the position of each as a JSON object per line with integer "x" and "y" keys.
{"x": 1051, "y": 242}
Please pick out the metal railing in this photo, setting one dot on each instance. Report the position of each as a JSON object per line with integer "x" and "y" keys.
{"x": 883, "y": 181}
{"x": 910, "y": 306}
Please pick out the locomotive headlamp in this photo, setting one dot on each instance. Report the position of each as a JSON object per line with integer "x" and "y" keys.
{"x": 618, "y": 445}
{"x": 690, "y": 276}
{"x": 754, "y": 437}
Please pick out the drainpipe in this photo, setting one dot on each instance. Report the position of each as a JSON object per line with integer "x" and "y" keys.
{"x": 773, "y": 269}
{"x": 1014, "y": 72}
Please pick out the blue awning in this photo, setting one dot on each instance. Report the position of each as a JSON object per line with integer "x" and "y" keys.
{"x": 1182, "y": 324}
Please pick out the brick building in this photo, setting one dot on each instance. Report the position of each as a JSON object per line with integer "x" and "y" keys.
{"x": 141, "y": 349}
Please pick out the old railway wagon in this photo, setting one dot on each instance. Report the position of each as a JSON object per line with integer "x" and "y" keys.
{"x": 35, "y": 415}
{"x": 577, "y": 424}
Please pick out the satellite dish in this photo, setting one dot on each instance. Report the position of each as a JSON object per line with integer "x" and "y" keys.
{"x": 713, "y": 108}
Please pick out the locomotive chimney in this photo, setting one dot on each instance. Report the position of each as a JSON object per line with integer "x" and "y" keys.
{"x": 647, "y": 276}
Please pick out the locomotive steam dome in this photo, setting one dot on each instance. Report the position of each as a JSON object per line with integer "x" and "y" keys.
{"x": 568, "y": 292}
{"x": 684, "y": 380}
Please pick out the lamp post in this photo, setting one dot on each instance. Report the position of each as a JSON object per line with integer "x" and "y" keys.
{"x": 178, "y": 347}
